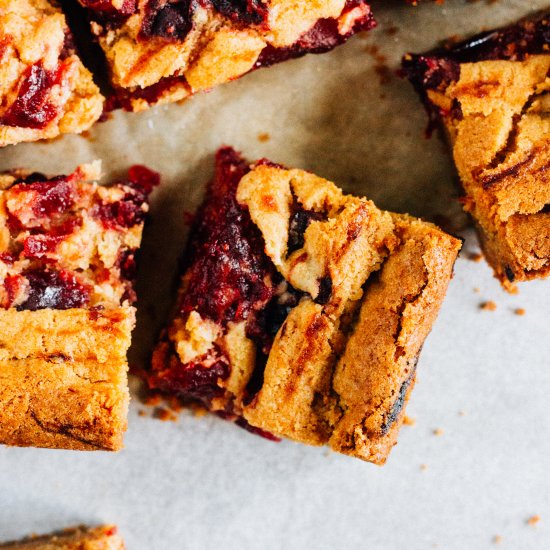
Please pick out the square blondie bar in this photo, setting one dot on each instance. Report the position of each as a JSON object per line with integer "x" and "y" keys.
{"x": 45, "y": 90}
{"x": 492, "y": 94}
{"x": 67, "y": 248}
{"x": 77, "y": 538}
{"x": 302, "y": 310}
{"x": 160, "y": 51}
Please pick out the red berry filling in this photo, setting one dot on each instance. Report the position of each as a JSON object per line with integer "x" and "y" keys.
{"x": 48, "y": 289}
{"x": 34, "y": 106}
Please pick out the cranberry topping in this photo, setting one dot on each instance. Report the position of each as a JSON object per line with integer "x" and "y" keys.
{"x": 49, "y": 289}
{"x": 195, "y": 380}
{"x": 38, "y": 246}
{"x": 230, "y": 276}
{"x": 249, "y": 12}
{"x": 124, "y": 213}
{"x": 54, "y": 196}
{"x": 322, "y": 37}
{"x": 243, "y": 423}
{"x": 143, "y": 178}
{"x": 167, "y": 19}
{"x": 33, "y": 107}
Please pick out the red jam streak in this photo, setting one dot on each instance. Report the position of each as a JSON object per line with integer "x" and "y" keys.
{"x": 33, "y": 107}
{"x": 229, "y": 279}
{"x": 322, "y": 37}
{"x": 49, "y": 289}
{"x": 436, "y": 69}
{"x": 229, "y": 274}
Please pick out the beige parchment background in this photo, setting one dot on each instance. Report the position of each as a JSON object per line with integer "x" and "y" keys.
{"x": 484, "y": 377}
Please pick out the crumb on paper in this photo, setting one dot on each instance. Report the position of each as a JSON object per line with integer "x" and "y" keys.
{"x": 519, "y": 311}
{"x": 263, "y": 137}
{"x": 488, "y": 306}
{"x": 141, "y": 412}
{"x": 409, "y": 421}
{"x": 533, "y": 520}
{"x": 392, "y": 30}
{"x": 497, "y": 539}
{"x": 476, "y": 290}
{"x": 438, "y": 432}
{"x": 165, "y": 414}
{"x": 423, "y": 467}
{"x": 461, "y": 413}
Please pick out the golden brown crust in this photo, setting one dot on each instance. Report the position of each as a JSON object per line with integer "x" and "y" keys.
{"x": 346, "y": 382}
{"x": 76, "y": 538}
{"x": 64, "y": 385}
{"x": 33, "y": 35}
{"x": 501, "y": 147}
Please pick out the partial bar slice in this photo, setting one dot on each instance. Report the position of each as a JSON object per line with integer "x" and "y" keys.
{"x": 164, "y": 50}
{"x": 302, "y": 310}
{"x": 492, "y": 94}
{"x": 77, "y": 538}
{"x": 67, "y": 249}
{"x": 45, "y": 90}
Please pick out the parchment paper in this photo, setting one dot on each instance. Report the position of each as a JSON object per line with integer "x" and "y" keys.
{"x": 484, "y": 377}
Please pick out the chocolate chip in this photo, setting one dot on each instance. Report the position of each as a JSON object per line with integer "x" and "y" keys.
{"x": 170, "y": 21}
{"x": 509, "y": 274}
{"x": 325, "y": 290}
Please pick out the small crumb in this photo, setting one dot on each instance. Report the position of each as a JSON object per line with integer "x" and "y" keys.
{"x": 519, "y": 311}
{"x": 475, "y": 256}
{"x": 164, "y": 414}
{"x": 497, "y": 539}
{"x": 438, "y": 432}
{"x": 391, "y": 31}
{"x": 533, "y": 520}
{"x": 423, "y": 467}
{"x": 476, "y": 290}
{"x": 263, "y": 137}
{"x": 409, "y": 421}
{"x": 461, "y": 413}
{"x": 488, "y": 306}
{"x": 141, "y": 412}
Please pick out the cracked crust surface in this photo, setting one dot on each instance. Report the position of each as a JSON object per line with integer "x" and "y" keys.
{"x": 77, "y": 538}
{"x": 162, "y": 51}
{"x": 329, "y": 356}
{"x": 497, "y": 115}
{"x": 45, "y": 89}
{"x": 66, "y": 284}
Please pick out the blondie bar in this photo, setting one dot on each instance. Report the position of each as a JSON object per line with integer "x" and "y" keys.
{"x": 492, "y": 94}
{"x": 302, "y": 310}
{"x": 165, "y": 50}
{"x": 67, "y": 248}
{"x": 45, "y": 90}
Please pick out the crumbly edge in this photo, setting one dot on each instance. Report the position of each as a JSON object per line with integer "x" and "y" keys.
{"x": 77, "y": 538}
